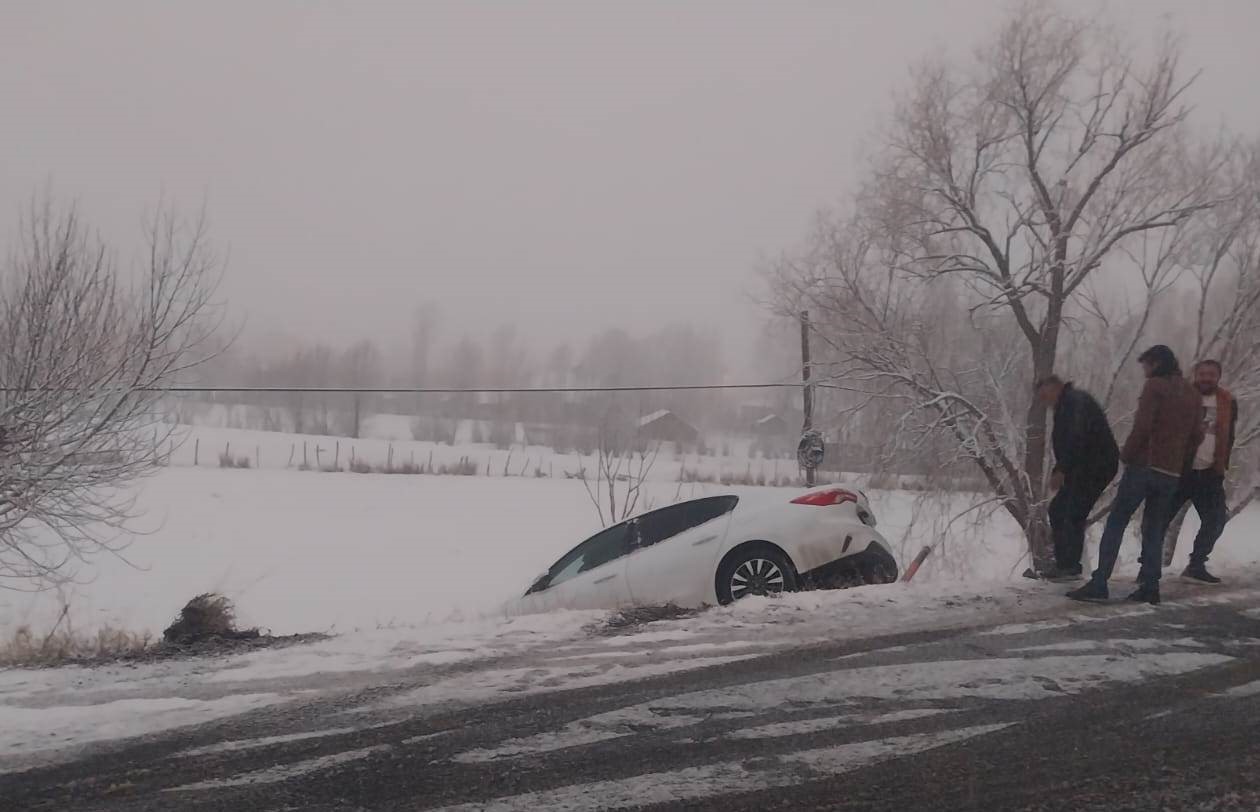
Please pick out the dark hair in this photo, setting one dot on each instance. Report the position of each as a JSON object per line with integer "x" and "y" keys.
{"x": 1049, "y": 380}
{"x": 1210, "y": 362}
{"x": 1162, "y": 357}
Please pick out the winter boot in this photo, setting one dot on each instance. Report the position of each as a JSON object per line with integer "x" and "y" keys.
{"x": 1092, "y": 592}
{"x": 1146, "y": 594}
{"x": 1197, "y": 573}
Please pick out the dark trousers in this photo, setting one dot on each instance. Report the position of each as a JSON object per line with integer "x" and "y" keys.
{"x": 1206, "y": 491}
{"x": 1069, "y": 515}
{"x": 1138, "y": 486}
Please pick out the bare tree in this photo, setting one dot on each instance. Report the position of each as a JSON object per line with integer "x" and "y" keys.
{"x": 1007, "y": 190}
{"x": 85, "y": 348}
{"x": 622, "y": 466}
{"x": 1224, "y": 322}
{"x": 361, "y": 368}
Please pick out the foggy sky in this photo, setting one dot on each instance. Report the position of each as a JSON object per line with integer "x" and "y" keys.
{"x": 564, "y": 166}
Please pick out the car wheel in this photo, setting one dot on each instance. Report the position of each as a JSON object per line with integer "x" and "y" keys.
{"x": 880, "y": 568}
{"x": 754, "y": 570}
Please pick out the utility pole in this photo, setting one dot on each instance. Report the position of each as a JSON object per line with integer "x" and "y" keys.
{"x": 807, "y": 390}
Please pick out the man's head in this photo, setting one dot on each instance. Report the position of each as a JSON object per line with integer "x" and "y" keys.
{"x": 1159, "y": 362}
{"x": 1050, "y": 389}
{"x": 1207, "y": 376}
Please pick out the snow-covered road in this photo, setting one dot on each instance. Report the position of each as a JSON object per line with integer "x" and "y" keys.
{"x": 723, "y": 707}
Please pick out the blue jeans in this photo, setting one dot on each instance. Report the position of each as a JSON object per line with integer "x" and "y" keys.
{"x": 1137, "y": 486}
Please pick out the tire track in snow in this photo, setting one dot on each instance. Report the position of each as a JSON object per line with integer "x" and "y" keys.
{"x": 723, "y": 778}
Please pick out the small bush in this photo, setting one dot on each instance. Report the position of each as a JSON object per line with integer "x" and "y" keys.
{"x": 359, "y": 466}
{"x": 883, "y": 482}
{"x": 206, "y": 616}
{"x": 228, "y": 461}
{"x": 465, "y": 467}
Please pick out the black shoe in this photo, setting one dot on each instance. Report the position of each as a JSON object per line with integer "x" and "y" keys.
{"x": 1092, "y": 592}
{"x": 1064, "y": 576}
{"x": 1199, "y": 575}
{"x": 1146, "y": 594}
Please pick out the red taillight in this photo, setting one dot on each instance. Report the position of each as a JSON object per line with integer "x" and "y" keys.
{"x": 826, "y": 498}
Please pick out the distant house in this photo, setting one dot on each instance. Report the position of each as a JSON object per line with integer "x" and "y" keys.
{"x": 666, "y": 427}
{"x": 770, "y": 426}
{"x": 772, "y": 437}
{"x": 749, "y": 411}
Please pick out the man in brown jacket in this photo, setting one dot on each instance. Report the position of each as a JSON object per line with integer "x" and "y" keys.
{"x": 1204, "y": 484}
{"x": 1166, "y": 432}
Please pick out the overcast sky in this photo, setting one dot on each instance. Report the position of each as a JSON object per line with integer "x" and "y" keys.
{"x": 563, "y": 165}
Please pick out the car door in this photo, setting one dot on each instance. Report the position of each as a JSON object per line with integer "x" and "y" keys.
{"x": 675, "y": 551}
{"x": 590, "y": 576}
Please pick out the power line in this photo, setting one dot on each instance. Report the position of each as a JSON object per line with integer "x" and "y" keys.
{"x": 461, "y": 390}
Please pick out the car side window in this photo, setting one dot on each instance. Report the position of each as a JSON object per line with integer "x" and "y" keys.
{"x": 666, "y": 523}
{"x": 604, "y": 546}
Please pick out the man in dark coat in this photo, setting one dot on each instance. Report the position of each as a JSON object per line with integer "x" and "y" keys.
{"x": 1086, "y": 459}
{"x": 1204, "y": 484}
{"x": 1166, "y": 431}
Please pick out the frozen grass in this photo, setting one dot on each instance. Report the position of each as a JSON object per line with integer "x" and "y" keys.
{"x": 24, "y": 648}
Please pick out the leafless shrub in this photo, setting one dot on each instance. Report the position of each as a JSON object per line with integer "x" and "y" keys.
{"x": 465, "y": 467}
{"x": 226, "y": 460}
{"x": 84, "y": 349}
{"x": 620, "y": 471}
{"x": 205, "y": 616}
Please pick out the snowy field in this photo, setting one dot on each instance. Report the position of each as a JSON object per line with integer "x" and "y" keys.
{"x": 410, "y": 571}
{"x": 302, "y": 551}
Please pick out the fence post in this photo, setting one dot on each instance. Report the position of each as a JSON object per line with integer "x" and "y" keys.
{"x": 197, "y": 452}
{"x": 915, "y": 564}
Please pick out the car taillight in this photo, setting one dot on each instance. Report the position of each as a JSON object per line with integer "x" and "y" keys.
{"x": 826, "y": 498}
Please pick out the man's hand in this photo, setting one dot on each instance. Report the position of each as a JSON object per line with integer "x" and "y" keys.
{"x": 1056, "y": 481}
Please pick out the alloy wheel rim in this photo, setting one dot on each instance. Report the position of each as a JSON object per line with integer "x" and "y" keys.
{"x": 757, "y": 576}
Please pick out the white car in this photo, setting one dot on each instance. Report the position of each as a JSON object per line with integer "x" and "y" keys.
{"x": 717, "y": 550}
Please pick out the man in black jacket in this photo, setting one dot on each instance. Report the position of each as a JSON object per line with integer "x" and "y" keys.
{"x": 1086, "y": 459}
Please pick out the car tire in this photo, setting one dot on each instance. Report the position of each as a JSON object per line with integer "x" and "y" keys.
{"x": 878, "y": 568}
{"x": 754, "y": 569}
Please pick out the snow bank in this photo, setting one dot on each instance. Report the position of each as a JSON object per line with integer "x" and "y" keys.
{"x": 301, "y": 552}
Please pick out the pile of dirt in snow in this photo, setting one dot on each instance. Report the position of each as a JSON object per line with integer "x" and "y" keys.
{"x": 629, "y": 620}
{"x": 216, "y": 646}
{"x": 206, "y": 626}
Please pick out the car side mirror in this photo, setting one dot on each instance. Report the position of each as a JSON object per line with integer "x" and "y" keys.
{"x": 540, "y": 583}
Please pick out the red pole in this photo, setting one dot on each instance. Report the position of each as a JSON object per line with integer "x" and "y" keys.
{"x": 915, "y": 564}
